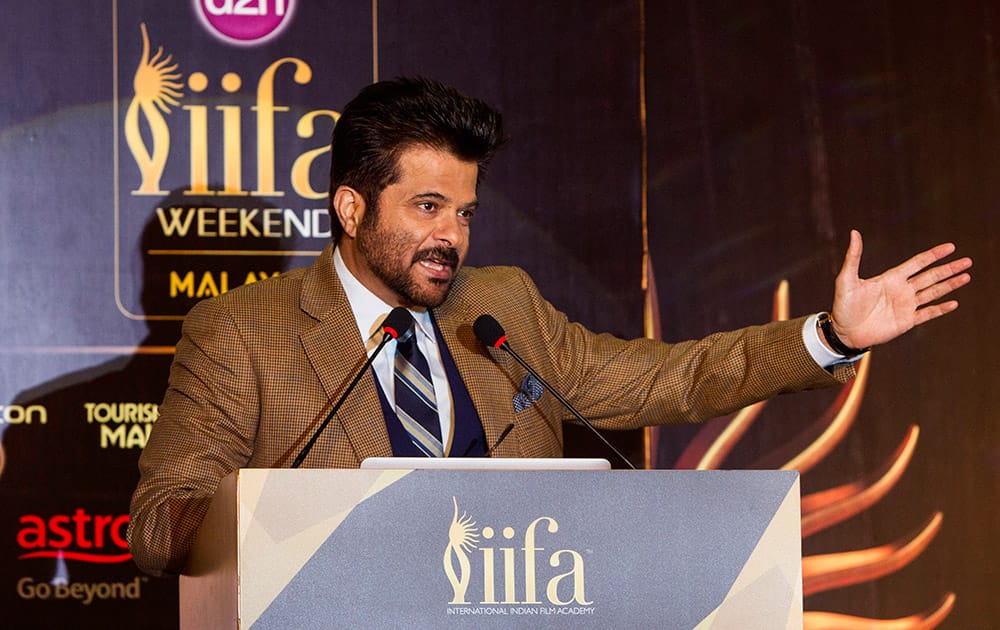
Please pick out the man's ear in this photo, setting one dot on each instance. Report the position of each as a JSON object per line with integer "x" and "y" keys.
{"x": 350, "y": 207}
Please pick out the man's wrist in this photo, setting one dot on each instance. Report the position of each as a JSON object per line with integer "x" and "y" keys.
{"x": 824, "y": 322}
{"x": 817, "y": 347}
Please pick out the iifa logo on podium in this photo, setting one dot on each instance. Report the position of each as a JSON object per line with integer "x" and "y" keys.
{"x": 520, "y": 577}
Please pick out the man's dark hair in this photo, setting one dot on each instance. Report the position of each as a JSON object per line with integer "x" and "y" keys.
{"x": 388, "y": 117}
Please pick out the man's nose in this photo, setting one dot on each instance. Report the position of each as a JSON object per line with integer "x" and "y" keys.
{"x": 449, "y": 230}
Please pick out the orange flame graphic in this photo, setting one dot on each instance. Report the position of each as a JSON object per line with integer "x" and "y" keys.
{"x": 824, "y": 509}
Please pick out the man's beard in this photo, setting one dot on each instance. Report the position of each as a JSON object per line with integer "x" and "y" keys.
{"x": 380, "y": 247}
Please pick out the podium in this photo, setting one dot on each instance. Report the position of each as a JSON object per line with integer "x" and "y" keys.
{"x": 318, "y": 548}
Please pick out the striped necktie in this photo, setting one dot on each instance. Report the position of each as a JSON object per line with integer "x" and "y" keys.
{"x": 416, "y": 405}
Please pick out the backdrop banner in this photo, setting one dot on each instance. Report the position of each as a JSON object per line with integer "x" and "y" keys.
{"x": 673, "y": 169}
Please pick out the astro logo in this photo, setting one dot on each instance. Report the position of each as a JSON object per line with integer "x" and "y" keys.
{"x": 519, "y": 577}
{"x": 244, "y": 22}
{"x": 98, "y": 538}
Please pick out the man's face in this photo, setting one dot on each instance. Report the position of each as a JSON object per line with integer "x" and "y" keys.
{"x": 416, "y": 239}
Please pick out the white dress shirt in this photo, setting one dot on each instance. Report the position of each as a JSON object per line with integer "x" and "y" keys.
{"x": 369, "y": 312}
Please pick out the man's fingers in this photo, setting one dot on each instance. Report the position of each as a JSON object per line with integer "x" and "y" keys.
{"x": 934, "y": 275}
{"x": 925, "y": 259}
{"x": 942, "y": 288}
{"x": 933, "y": 311}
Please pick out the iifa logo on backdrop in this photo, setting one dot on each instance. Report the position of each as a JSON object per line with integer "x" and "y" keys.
{"x": 216, "y": 135}
{"x": 244, "y": 22}
{"x": 520, "y": 577}
{"x": 157, "y": 88}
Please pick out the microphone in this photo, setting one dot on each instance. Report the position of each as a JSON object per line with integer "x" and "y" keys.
{"x": 503, "y": 435}
{"x": 398, "y": 324}
{"x": 489, "y": 331}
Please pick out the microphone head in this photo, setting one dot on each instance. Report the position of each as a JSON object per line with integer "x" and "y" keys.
{"x": 489, "y": 331}
{"x": 398, "y": 324}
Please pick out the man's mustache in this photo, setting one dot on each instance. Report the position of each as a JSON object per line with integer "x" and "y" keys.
{"x": 445, "y": 255}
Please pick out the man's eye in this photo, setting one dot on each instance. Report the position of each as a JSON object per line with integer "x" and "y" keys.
{"x": 427, "y": 205}
{"x": 466, "y": 214}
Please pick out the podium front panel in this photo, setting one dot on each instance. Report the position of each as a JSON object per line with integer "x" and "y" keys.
{"x": 436, "y": 549}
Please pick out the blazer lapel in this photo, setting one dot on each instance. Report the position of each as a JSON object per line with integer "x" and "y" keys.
{"x": 336, "y": 352}
{"x": 479, "y": 371}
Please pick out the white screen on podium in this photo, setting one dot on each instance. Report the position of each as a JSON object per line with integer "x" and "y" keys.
{"x": 484, "y": 463}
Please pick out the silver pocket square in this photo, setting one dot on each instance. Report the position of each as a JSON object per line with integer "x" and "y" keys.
{"x": 531, "y": 391}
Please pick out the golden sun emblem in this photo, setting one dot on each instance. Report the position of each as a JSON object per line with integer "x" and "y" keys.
{"x": 463, "y": 537}
{"x": 157, "y": 87}
{"x": 462, "y": 534}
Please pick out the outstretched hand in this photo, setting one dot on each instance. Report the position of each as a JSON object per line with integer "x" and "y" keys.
{"x": 873, "y": 311}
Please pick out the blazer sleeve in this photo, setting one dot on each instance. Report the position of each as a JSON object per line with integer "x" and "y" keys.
{"x": 205, "y": 430}
{"x": 628, "y": 384}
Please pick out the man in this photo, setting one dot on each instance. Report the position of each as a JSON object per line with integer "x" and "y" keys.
{"x": 257, "y": 369}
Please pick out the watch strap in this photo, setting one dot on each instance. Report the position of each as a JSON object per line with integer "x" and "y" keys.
{"x": 825, "y": 323}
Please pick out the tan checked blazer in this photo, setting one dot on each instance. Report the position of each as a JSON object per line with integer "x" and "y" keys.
{"x": 258, "y": 368}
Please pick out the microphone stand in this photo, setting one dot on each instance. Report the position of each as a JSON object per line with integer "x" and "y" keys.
{"x": 336, "y": 407}
{"x": 506, "y": 346}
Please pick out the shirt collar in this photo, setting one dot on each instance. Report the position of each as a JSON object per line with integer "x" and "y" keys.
{"x": 369, "y": 309}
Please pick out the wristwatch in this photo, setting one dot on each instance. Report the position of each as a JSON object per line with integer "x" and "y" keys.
{"x": 825, "y": 323}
